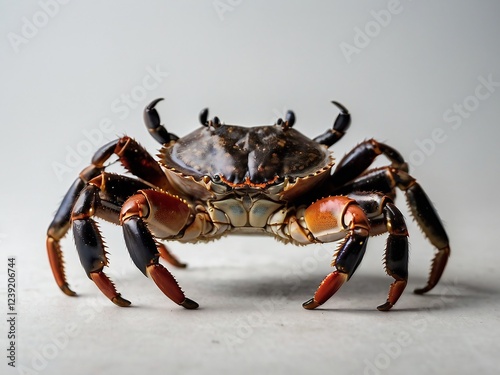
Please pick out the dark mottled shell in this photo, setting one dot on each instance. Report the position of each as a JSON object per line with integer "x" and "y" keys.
{"x": 242, "y": 154}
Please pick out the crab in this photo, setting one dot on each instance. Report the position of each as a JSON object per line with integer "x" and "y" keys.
{"x": 222, "y": 179}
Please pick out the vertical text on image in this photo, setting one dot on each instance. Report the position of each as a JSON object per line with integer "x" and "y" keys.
{"x": 31, "y": 26}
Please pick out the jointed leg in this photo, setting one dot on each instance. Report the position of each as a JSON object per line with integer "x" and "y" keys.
{"x": 358, "y": 220}
{"x": 340, "y": 126}
{"x": 396, "y": 254}
{"x": 384, "y": 216}
{"x": 350, "y": 176}
{"x": 361, "y": 157}
{"x": 62, "y": 219}
{"x": 141, "y": 244}
{"x": 430, "y": 223}
{"x": 134, "y": 158}
{"x": 330, "y": 215}
{"x": 90, "y": 244}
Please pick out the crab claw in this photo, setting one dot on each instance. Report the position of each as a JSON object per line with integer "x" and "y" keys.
{"x": 343, "y": 120}
{"x": 153, "y": 123}
{"x": 340, "y": 126}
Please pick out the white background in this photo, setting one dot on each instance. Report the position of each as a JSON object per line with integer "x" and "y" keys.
{"x": 65, "y": 71}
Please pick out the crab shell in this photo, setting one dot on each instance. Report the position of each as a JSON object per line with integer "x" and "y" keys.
{"x": 276, "y": 160}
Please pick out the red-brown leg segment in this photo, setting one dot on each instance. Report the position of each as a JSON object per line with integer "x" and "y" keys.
{"x": 169, "y": 257}
{"x": 395, "y": 291}
{"x": 327, "y": 288}
{"x": 169, "y": 286}
{"x": 57, "y": 264}
{"x": 107, "y": 287}
{"x": 437, "y": 269}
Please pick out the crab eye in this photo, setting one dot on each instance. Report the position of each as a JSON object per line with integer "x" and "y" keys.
{"x": 217, "y": 178}
{"x": 204, "y": 117}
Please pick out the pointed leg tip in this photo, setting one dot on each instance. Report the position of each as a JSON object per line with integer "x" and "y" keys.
{"x": 310, "y": 305}
{"x": 120, "y": 301}
{"x": 385, "y": 307}
{"x": 66, "y": 290}
{"x": 189, "y": 304}
{"x": 422, "y": 290}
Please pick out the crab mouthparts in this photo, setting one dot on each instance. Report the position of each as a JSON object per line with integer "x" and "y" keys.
{"x": 248, "y": 183}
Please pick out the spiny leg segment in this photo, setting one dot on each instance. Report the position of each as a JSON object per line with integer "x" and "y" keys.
{"x": 135, "y": 159}
{"x": 352, "y": 175}
{"x": 141, "y": 244}
{"x": 355, "y": 217}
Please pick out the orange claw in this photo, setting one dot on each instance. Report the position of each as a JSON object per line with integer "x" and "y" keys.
{"x": 327, "y": 288}
{"x": 57, "y": 264}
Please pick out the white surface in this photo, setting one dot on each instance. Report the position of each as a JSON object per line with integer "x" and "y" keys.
{"x": 250, "y": 65}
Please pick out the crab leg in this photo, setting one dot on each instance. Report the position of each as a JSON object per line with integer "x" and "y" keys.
{"x": 428, "y": 220}
{"x": 57, "y": 230}
{"x": 324, "y": 219}
{"x": 135, "y": 158}
{"x": 349, "y": 177}
{"x": 150, "y": 205}
{"x": 62, "y": 219}
{"x": 153, "y": 123}
{"x": 396, "y": 254}
{"x": 361, "y": 157}
{"x": 90, "y": 244}
{"x": 384, "y": 216}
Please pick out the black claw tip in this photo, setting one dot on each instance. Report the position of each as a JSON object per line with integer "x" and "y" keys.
{"x": 66, "y": 290}
{"x": 342, "y": 109}
{"x": 189, "y": 304}
{"x": 119, "y": 301}
{"x": 385, "y": 307}
{"x": 422, "y": 290}
{"x": 310, "y": 305}
{"x": 153, "y": 103}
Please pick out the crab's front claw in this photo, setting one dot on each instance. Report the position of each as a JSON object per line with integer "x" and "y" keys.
{"x": 153, "y": 123}
{"x": 340, "y": 126}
